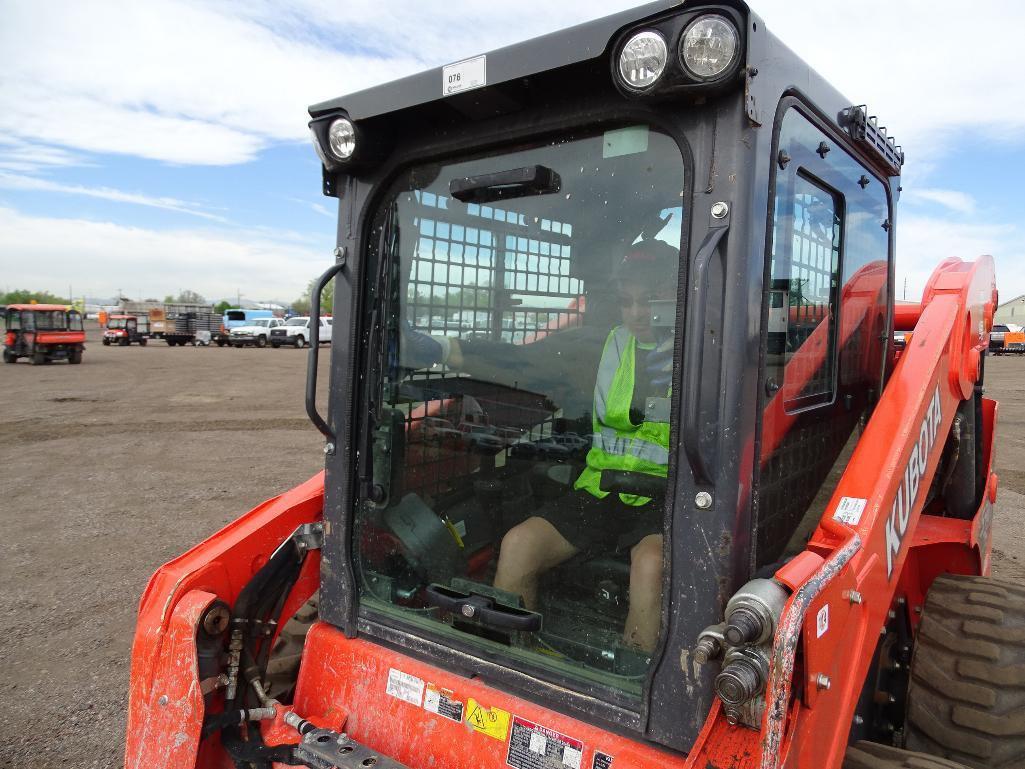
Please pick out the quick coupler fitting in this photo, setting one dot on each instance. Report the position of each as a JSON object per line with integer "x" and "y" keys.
{"x": 743, "y": 677}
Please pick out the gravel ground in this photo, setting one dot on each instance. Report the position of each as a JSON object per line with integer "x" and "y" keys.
{"x": 113, "y": 467}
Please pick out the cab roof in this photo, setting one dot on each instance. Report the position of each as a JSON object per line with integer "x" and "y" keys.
{"x": 540, "y": 54}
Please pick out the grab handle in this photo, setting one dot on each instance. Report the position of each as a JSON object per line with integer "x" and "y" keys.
{"x": 693, "y": 368}
{"x": 314, "y": 356}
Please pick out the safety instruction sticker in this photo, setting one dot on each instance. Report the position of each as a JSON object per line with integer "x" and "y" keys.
{"x": 405, "y": 687}
{"x": 601, "y": 760}
{"x": 822, "y": 621}
{"x": 494, "y": 722}
{"x": 440, "y": 701}
{"x": 464, "y": 75}
{"x": 532, "y": 746}
{"x": 849, "y": 510}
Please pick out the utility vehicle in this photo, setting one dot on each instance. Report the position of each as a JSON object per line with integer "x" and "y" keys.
{"x": 122, "y": 330}
{"x": 824, "y": 507}
{"x": 43, "y": 333}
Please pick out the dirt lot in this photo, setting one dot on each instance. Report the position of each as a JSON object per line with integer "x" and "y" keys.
{"x": 110, "y": 468}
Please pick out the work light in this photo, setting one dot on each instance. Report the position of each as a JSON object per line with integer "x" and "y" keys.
{"x": 708, "y": 47}
{"x": 642, "y": 60}
{"x": 341, "y": 138}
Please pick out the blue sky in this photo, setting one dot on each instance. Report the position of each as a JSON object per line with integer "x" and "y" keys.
{"x": 158, "y": 145}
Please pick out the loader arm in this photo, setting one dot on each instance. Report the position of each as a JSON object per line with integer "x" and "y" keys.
{"x": 855, "y": 570}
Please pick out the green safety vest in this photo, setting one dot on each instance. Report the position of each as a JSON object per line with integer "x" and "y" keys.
{"x": 617, "y": 443}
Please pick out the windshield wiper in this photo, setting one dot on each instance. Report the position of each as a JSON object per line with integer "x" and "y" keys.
{"x": 376, "y": 357}
{"x": 514, "y": 183}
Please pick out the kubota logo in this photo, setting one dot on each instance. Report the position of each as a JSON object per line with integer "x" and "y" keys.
{"x": 907, "y": 493}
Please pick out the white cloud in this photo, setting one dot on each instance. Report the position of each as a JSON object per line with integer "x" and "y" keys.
{"x": 18, "y": 182}
{"x": 94, "y": 256}
{"x": 923, "y": 242}
{"x": 958, "y": 202}
{"x": 931, "y": 73}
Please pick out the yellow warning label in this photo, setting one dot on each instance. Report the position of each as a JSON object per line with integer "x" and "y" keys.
{"x": 493, "y": 722}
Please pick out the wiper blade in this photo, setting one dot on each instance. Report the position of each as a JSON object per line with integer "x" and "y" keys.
{"x": 514, "y": 183}
{"x": 376, "y": 355}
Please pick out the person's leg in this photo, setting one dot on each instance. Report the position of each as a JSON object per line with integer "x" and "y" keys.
{"x": 528, "y": 551}
{"x": 642, "y": 621}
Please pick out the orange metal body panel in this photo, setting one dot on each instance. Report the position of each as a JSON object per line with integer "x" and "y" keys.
{"x": 60, "y": 337}
{"x": 220, "y": 566}
{"x": 890, "y": 550}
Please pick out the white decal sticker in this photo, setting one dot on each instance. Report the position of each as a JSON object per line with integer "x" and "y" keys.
{"x": 405, "y": 687}
{"x": 822, "y": 621}
{"x": 464, "y": 75}
{"x": 849, "y": 510}
{"x": 907, "y": 493}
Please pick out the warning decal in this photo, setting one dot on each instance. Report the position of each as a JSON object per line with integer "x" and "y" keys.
{"x": 493, "y": 722}
{"x": 601, "y": 760}
{"x": 536, "y": 747}
{"x": 405, "y": 687}
{"x": 440, "y": 701}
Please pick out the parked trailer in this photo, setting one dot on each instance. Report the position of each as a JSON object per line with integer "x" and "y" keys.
{"x": 192, "y": 327}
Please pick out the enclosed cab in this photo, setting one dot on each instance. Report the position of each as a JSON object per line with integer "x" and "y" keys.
{"x": 122, "y": 330}
{"x": 43, "y": 333}
{"x": 621, "y": 466}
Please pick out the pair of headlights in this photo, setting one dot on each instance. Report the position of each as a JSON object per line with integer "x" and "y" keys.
{"x": 708, "y": 47}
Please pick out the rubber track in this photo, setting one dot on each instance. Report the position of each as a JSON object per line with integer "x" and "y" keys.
{"x": 869, "y": 755}
{"x": 966, "y": 699}
{"x": 283, "y": 665}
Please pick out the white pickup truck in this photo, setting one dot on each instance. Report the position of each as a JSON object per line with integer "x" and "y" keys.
{"x": 256, "y": 332}
{"x": 296, "y": 331}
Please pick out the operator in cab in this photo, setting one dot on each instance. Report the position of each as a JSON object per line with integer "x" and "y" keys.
{"x": 631, "y": 383}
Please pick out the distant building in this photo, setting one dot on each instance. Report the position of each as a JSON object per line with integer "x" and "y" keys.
{"x": 1011, "y": 312}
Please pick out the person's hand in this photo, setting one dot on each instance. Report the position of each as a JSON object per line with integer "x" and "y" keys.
{"x": 419, "y": 350}
{"x": 659, "y": 365}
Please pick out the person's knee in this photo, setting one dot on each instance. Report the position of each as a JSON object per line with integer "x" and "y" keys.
{"x": 646, "y": 564}
{"x": 523, "y": 546}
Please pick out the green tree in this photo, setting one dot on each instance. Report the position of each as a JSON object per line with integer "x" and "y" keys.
{"x": 222, "y": 307}
{"x": 24, "y": 296}
{"x": 191, "y": 297}
{"x": 327, "y": 299}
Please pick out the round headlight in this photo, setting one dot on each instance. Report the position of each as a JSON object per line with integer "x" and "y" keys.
{"x": 341, "y": 138}
{"x": 642, "y": 60}
{"x": 708, "y": 46}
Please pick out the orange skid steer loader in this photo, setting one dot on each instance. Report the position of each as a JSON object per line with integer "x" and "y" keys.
{"x": 713, "y": 518}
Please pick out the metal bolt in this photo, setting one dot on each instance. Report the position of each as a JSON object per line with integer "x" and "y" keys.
{"x": 853, "y": 596}
{"x": 891, "y": 614}
{"x": 858, "y": 720}
{"x": 162, "y": 702}
{"x": 822, "y": 681}
{"x": 468, "y": 610}
{"x": 918, "y": 610}
{"x": 708, "y": 648}
{"x": 901, "y": 601}
{"x": 215, "y": 621}
{"x": 732, "y": 716}
{"x": 720, "y": 210}
{"x": 703, "y": 500}
{"x": 340, "y": 254}
{"x": 329, "y": 448}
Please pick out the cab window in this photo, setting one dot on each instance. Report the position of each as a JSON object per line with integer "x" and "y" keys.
{"x": 526, "y": 338}
{"x": 826, "y": 314}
